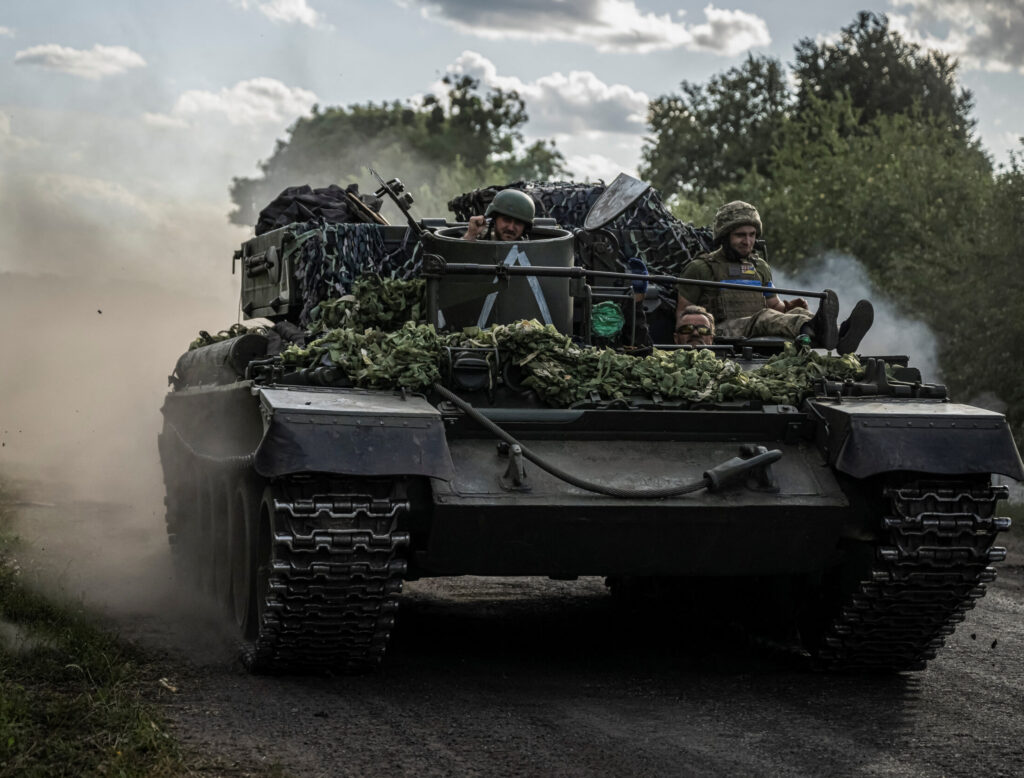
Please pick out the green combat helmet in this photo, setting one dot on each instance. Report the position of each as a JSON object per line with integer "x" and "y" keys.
{"x": 733, "y": 215}
{"x": 514, "y": 204}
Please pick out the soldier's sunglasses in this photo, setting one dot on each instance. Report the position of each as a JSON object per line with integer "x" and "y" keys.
{"x": 700, "y": 329}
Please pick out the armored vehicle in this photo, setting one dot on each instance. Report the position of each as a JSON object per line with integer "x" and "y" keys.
{"x": 399, "y": 403}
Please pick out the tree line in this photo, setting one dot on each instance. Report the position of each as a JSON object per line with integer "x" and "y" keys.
{"x": 865, "y": 147}
{"x": 869, "y": 151}
{"x": 439, "y": 147}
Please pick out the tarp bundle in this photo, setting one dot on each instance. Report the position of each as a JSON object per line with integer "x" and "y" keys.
{"x": 330, "y": 204}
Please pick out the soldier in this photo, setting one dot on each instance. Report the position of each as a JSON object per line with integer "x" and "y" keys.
{"x": 513, "y": 213}
{"x": 695, "y": 327}
{"x": 740, "y": 314}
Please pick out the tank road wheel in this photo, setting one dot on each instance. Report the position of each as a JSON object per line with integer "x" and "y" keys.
{"x": 203, "y": 550}
{"x": 220, "y": 556}
{"x": 178, "y": 505}
{"x": 327, "y": 572}
{"x": 195, "y": 529}
{"x": 243, "y": 522}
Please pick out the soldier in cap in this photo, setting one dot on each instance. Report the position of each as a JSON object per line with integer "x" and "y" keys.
{"x": 511, "y": 213}
{"x": 741, "y": 314}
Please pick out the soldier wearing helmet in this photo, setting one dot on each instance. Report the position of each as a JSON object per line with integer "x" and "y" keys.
{"x": 742, "y": 314}
{"x": 511, "y": 213}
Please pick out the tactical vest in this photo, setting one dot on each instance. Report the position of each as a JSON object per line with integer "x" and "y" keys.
{"x": 725, "y": 304}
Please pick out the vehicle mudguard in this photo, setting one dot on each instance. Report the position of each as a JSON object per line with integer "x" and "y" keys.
{"x": 864, "y": 437}
{"x": 354, "y": 432}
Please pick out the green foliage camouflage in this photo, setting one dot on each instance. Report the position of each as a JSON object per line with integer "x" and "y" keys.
{"x": 374, "y": 302}
{"x": 375, "y": 359}
{"x": 563, "y": 372}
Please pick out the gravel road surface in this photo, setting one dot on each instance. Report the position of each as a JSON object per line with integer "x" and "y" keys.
{"x": 509, "y": 677}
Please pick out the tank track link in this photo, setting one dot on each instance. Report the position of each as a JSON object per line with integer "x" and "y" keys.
{"x": 332, "y": 579}
{"x": 930, "y": 570}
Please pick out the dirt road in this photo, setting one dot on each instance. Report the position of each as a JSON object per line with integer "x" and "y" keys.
{"x": 504, "y": 677}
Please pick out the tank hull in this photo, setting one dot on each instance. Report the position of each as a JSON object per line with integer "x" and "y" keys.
{"x": 302, "y": 509}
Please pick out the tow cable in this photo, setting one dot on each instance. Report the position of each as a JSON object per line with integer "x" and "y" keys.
{"x": 713, "y": 480}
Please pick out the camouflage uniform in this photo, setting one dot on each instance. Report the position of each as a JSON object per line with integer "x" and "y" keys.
{"x": 767, "y": 322}
{"x": 740, "y": 314}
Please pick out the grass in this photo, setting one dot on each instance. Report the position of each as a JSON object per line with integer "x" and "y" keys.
{"x": 72, "y": 698}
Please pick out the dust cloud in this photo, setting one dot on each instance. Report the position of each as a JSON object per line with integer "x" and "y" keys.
{"x": 85, "y": 357}
{"x": 893, "y": 332}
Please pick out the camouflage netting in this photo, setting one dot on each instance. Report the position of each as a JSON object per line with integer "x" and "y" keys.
{"x": 562, "y": 372}
{"x": 328, "y": 258}
{"x": 646, "y": 229}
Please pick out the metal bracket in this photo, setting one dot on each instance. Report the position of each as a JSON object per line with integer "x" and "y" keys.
{"x": 433, "y": 265}
{"x": 514, "y": 478}
{"x": 763, "y": 476}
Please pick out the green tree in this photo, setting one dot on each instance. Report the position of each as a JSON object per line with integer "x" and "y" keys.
{"x": 938, "y": 235}
{"x": 708, "y": 137}
{"x": 439, "y": 149}
{"x": 902, "y": 192}
{"x": 711, "y": 135}
{"x": 883, "y": 75}
{"x": 992, "y": 328}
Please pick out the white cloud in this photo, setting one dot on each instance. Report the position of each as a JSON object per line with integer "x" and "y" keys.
{"x": 982, "y": 34}
{"x": 290, "y": 12}
{"x": 286, "y": 11}
{"x": 607, "y": 25}
{"x": 598, "y": 127}
{"x": 256, "y": 101}
{"x": 6, "y": 32}
{"x": 730, "y": 32}
{"x": 593, "y": 167}
{"x": 575, "y": 103}
{"x": 94, "y": 63}
{"x": 164, "y": 120}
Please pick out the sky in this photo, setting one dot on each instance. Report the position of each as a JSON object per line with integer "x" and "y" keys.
{"x": 138, "y": 114}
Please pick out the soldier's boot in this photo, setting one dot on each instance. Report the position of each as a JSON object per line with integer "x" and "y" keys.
{"x": 823, "y": 330}
{"x": 852, "y": 331}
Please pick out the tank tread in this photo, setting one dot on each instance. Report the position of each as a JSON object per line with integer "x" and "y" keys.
{"x": 332, "y": 581}
{"x": 930, "y": 570}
